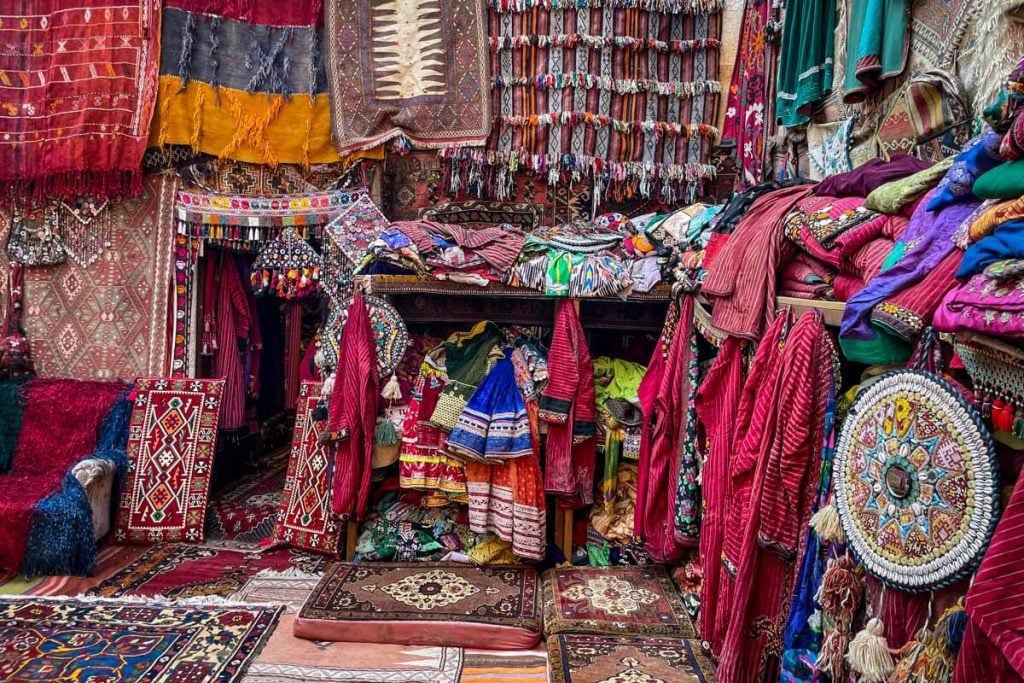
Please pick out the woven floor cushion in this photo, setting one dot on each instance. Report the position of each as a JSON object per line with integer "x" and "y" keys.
{"x": 614, "y": 600}
{"x": 442, "y": 605}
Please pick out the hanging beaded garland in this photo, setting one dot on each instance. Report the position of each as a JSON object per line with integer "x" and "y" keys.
{"x": 288, "y": 267}
{"x": 86, "y": 228}
{"x": 916, "y": 482}
{"x": 998, "y": 378}
{"x": 389, "y": 334}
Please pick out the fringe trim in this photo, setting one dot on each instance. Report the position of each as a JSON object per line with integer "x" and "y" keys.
{"x": 598, "y": 121}
{"x": 40, "y": 190}
{"x": 156, "y": 601}
{"x": 667, "y": 6}
{"x": 595, "y": 42}
{"x": 624, "y": 86}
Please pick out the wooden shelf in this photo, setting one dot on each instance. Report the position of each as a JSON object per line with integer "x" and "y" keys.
{"x": 831, "y": 311}
{"x": 415, "y": 284}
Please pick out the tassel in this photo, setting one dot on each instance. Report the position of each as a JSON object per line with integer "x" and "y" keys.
{"x": 955, "y": 621}
{"x": 328, "y": 388}
{"x": 392, "y": 391}
{"x": 385, "y": 434}
{"x": 869, "y": 654}
{"x": 827, "y": 526}
{"x": 833, "y": 650}
{"x": 841, "y": 591}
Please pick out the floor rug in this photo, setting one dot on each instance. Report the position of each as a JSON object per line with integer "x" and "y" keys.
{"x": 490, "y": 666}
{"x": 170, "y": 452}
{"x": 619, "y": 600}
{"x": 287, "y": 659}
{"x": 598, "y": 659}
{"x": 426, "y": 604}
{"x": 183, "y": 571}
{"x": 242, "y": 514}
{"x": 305, "y": 519}
{"x": 66, "y": 639}
{"x": 290, "y": 588}
{"x": 109, "y": 560}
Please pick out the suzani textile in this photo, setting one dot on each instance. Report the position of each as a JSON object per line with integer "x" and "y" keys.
{"x": 622, "y": 93}
{"x": 76, "y": 81}
{"x": 305, "y": 519}
{"x": 746, "y": 110}
{"x": 171, "y": 443}
{"x": 413, "y": 69}
{"x": 67, "y": 639}
{"x": 244, "y": 80}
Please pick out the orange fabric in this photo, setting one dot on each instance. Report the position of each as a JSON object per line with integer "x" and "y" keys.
{"x": 1002, "y": 212}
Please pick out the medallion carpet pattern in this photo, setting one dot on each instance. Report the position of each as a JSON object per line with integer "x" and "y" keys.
{"x": 625, "y": 659}
{"x": 118, "y": 641}
{"x": 621, "y": 600}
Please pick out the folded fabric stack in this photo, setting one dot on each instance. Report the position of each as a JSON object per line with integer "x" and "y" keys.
{"x": 445, "y": 251}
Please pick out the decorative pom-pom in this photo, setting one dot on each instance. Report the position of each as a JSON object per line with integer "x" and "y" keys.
{"x": 826, "y": 525}
{"x": 328, "y": 387}
{"x": 841, "y": 591}
{"x": 385, "y": 434}
{"x": 869, "y": 654}
{"x": 392, "y": 391}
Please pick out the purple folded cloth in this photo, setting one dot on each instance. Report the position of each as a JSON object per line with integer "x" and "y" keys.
{"x": 861, "y": 181}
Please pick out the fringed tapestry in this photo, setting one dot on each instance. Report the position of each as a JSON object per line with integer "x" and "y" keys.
{"x": 305, "y": 519}
{"x": 621, "y": 93}
{"x": 77, "y": 81}
{"x": 917, "y": 485}
{"x": 240, "y": 223}
{"x": 170, "y": 453}
{"x": 415, "y": 70}
{"x": 245, "y": 80}
{"x": 108, "y": 319}
{"x": 348, "y": 238}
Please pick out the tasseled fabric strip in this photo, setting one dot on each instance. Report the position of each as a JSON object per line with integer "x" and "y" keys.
{"x": 12, "y": 410}
{"x": 60, "y": 541}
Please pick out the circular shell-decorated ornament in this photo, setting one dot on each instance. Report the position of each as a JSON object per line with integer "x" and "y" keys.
{"x": 916, "y": 482}
{"x": 389, "y": 334}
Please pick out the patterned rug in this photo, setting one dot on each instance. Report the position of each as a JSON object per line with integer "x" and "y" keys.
{"x": 619, "y": 600}
{"x": 602, "y": 659}
{"x": 182, "y": 571}
{"x": 171, "y": 443}
{"x": 417, "y": 70}
{"x": 108, "y": 320}
{"x": 290, "y": 588}
{"x": 243, "y": 513}
{"x": 67, "y": 639}
{"x": 494, "y": 607}
{"x": 81, "y": 71}
{"x": 305, "y": 519}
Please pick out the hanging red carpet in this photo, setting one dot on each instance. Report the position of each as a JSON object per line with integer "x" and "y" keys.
{"x": 424, "y": 604}
{"x": 170, "y": 451}
{"x": 600, "y": 659}
{"x": 81, "y": 75}
{"x": 305, "y": 519}
{"x": 614, "y": 600}
{"x": 416, "y": 69}
{"x": 68, "y": 639}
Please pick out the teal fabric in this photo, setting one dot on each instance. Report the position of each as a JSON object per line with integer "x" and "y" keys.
{"x": 877, "y": 43}
{"x": 805, "y": 63}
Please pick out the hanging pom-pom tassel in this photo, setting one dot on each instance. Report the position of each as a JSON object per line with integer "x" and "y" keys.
{"x": 825, "y": 523}
{"x": 392, "y": 391}
{"x": 832, "y": 655}
{"x": 955, "y": 622}
{"x": 841, "y": 591}
{"x": 869, "y": 654}
{"x": 328, "y": 387}
{"x": 385, "y": 434}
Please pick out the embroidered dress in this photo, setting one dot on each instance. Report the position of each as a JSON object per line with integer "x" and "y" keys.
{"x": 494, "y": 425}
{"x": 507, "y": 499}
{"x": 568, "y": 406}
{"x": 468, "y": 357}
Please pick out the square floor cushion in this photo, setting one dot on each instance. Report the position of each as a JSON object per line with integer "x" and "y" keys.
{"x": 614, "y": 600}
{"x": 443, "y": 605}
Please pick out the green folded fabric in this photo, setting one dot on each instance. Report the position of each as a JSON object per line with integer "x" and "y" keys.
{"x": 1005, "y": 181}
{"x": 892, "y": 197}
{"x": 884, "y": 348}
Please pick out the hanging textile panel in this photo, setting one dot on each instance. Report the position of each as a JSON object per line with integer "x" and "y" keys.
{"x": 239, "y": 223}
{"x": 107, "y": 319}
{"x": 410, "y": 68}
{"x": 244, "y": 81}
{"x": 305, "y": 519}
{"x": 171, "y": 443}
{"x": 619, "y": 92}
{"x": 76, "y": 80}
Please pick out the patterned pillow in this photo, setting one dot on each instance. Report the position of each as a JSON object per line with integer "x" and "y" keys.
{"x": 829, "y": 148}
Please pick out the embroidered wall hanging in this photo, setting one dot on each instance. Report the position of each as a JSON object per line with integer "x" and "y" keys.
{"x": 33, "y": 240}
{"x": 412, "y": 69}
{"x": 109, "y": 320}
{"x": 171, "y": 442}
{"x": 305, "y": 519}
{"x": 389, "y": 334}
{"x": 348, "y": 237}
{"x": 244, "y": 80}
{"x": 81, "y": 71}
{"x": 621, "y": 93}
{"x": 241, "y": 223}
{"x": 288, "y": 267}
{"x": 916, "y": 482}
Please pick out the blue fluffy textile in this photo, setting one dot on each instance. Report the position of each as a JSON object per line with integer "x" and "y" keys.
{"x": 60, "y": 541}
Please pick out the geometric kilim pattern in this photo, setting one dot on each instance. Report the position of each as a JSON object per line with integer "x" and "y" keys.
{"x": 171, "y": 444}
{"x": 305, "y": 519}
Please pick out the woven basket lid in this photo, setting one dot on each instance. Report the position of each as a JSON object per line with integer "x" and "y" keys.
{"x": 916, "y": 482}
